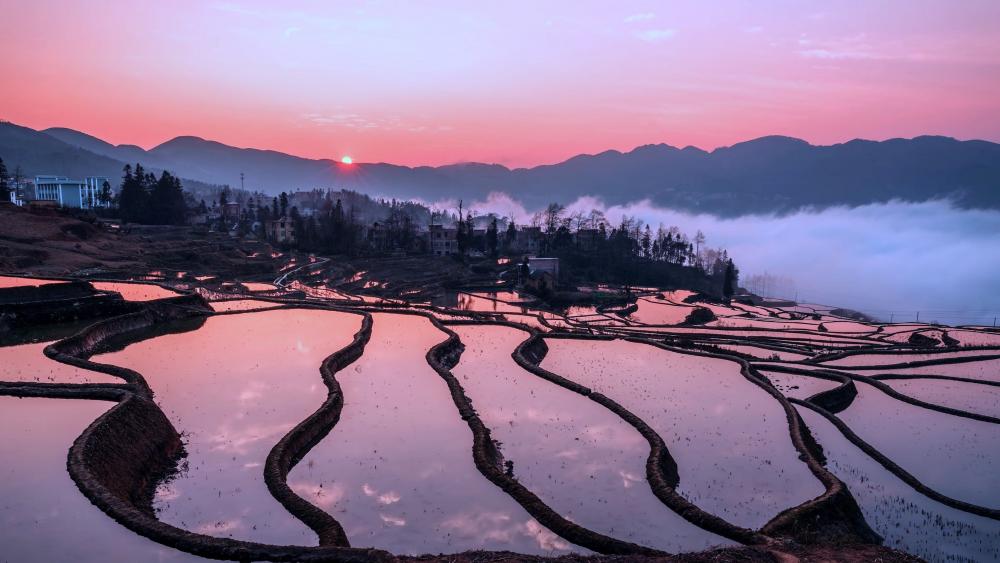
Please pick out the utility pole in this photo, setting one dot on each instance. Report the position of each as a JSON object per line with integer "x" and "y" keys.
{"x": 241, "y": 182}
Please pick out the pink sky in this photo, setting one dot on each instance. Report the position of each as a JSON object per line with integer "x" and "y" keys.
{"x": 519, "y": 83}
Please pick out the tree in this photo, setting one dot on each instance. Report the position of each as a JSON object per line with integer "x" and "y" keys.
{"x": 699, "y": 239}
{"x": 4, "y": 189}
{"x": 491, "y": 237}
{"x": 166, "y": 201}
{"x": 730, "y": 280}
{"x": 283, "y": 199}
{"x": 105, "y": 196}
{"x": 553, "y": 217}
{"x": 510, "y": 237}
{"x": 133, "y": 199}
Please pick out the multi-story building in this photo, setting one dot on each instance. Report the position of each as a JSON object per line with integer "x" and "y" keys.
{"x": 443, "y": 240}
{"x": 280, "y": 230}
{"x": 65, "y": 192}
{"x": 16, "y": 192}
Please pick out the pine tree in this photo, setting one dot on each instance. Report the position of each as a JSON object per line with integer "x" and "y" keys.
{"x": 4, "y": 188}
{"x": 730, "y": 280}
{"x": 491, "y": 237}
{"x": 132, "y": 199}
{"x": 105, "y": 196}
{"x": 166, "y": 201}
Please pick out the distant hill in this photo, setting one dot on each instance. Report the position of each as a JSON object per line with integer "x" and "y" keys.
{"x": 73, "y": 154}
{"x": 769, "y": 174}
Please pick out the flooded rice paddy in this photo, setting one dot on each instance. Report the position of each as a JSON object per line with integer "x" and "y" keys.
{"x": 234, "y": 387}
{"x": 393, "y": 465}
{"x": 579, "y": 457}
{"x": 397, "y": 471}
{"x": 729, "y": 437}
{"x": 966, "y": 452}
{"x": 43, "y": 517}
{"x": 906, "y": 519}
{"x": 136, "y": 291}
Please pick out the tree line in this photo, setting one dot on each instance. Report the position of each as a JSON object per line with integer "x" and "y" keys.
{"x": 144, "y": 198}
{"x": 4, "y": 186}
{"x": 592, "y": 248}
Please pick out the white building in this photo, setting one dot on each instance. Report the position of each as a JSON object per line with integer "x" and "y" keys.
{"x": 79, "y": 194}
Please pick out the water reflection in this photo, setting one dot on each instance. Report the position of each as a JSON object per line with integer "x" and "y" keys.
{"x": 397, "y": 470}
{"x": 14, "y": 281}
{"x": 234, "y": 387}
{"x": 966, "y": 452}
{"x": 43, "y": 516}
{"x": 730, "y": 438}
{"x": 906, "y": 519}
{"x": 580, "y": 458}
{"x": 135, "y": 291}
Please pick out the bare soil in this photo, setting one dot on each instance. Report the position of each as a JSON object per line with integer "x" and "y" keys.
{"x": 53, "y": 243}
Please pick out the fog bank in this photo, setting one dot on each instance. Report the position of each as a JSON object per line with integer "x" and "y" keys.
{"x": 896, "y": 258}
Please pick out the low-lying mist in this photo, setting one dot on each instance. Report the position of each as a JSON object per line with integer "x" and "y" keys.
{"x": 888, "y": 260}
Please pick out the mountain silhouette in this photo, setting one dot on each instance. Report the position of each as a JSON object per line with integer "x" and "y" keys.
{"x": 771, "y": 174}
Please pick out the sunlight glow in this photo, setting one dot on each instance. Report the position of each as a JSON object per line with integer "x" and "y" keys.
{"x": 347, "y": 160}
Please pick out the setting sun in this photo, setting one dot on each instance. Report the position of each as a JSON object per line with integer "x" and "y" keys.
{"x": 347, "y": 160}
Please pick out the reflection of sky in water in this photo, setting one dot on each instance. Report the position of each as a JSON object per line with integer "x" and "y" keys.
{"x": 397, "y": 470}
{"x": 580, "y": 458}
{"x": 972, "y": 397}
{"x": 234, "y": 387}
{"x": 966, "y": 452}
{"x": 906, "y": 519}
{"x": 730, "y": 438}
{"x": 43, "y": 516}
{"x": 27, "y": 362}
{"x": 136, "y": 291}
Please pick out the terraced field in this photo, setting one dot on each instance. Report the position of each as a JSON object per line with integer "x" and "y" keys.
{"x": 253, "y": 421}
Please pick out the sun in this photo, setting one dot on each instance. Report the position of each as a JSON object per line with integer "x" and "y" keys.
{"x": 347, "y": 160}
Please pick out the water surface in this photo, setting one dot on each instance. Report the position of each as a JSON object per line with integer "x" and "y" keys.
{"x": 233, "y": 388}
{"x": 397, "y": 470}
{"x": 729, "y": 437}
{"x": 965, "y": 452}
{"x": 43, "y": 516}
{"x": 906, "y": 519}
{"x": 583, "y": 460}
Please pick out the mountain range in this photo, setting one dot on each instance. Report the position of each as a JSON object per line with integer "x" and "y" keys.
{"x": 766, "y": 175}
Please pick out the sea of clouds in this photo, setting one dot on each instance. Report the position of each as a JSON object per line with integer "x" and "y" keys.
{"x": 895, "y": 258}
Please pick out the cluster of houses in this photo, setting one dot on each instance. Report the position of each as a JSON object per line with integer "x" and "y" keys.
{"x": 444, "y": 240}
{"x": 60, "y": 191}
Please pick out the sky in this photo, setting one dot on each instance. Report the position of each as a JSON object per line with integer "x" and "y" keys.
{"x": 516, "y": 83}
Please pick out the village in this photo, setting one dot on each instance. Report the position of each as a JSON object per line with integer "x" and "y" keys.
{"x": 555, "y": 249}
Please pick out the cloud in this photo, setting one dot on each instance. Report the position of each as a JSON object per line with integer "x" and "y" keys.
{"x": 655, "y": 35}
{"x": 640, "y": 17}
{"x": 359, "y": 122}
{"x": 835, "y": 55}
{"x": 498, "y": 203}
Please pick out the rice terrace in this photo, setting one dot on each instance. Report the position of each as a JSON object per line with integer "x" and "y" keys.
{"x": 297, "y": 421}
{"x": 561, "y": 281}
